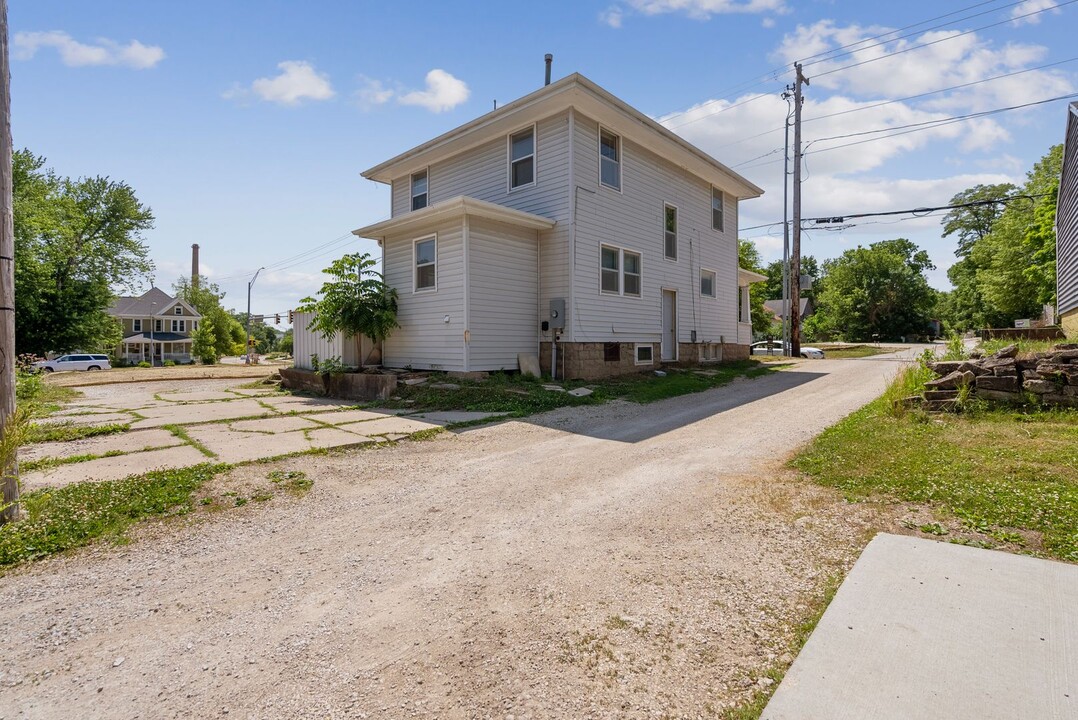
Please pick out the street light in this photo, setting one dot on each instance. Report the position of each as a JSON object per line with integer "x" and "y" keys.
{"x": 247, "y": 349}
{"x": 153, "y": 311}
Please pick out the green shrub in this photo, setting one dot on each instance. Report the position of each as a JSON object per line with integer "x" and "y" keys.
{"x": 144, "y": 364}
{"x": 169, "y": 363}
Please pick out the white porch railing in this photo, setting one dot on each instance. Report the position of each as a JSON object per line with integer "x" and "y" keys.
{"x": 139, "y": 357}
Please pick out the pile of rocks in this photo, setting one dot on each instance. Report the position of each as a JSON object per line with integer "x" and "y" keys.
{"x": 1049, "y": 378}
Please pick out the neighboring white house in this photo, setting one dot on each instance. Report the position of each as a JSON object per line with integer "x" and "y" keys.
{"x": 564, "y": 216}
{"x": 1067, "y": 229}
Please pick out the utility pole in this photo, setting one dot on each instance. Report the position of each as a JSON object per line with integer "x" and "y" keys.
{"x": 9, "y": 464}
{"x": 795, "y": 258}
{"x": 247, "y": 349}
{"x": 786, "y": 228}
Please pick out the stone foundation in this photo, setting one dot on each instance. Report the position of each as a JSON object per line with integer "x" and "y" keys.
{"x": 350, "y": 386}
{"x": 591, "y": 361}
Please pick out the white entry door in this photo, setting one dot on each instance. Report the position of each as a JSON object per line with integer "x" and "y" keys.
{"x": 669, "y": 343}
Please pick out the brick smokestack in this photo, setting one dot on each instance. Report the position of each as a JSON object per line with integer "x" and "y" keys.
{"x": 194, "y": 265}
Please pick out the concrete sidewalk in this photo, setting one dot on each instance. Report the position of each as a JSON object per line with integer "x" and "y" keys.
{"x": 923, "y": 629}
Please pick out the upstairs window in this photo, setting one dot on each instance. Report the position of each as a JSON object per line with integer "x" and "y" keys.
{"x": 609, "y": 159}
{"x": 157, "y": 326}
{"x": 670, "y": 232}
{"x": 717, "y": 200}
{"x": 426, "y": 259}
{"x": 522, "y": 158}
{"x": 136, "y": 325}
{"x": 178, "y": 310}
{"x": 419, "y": 190}
{"x": 707, "y": 283}
{"x": 179, "y": 326}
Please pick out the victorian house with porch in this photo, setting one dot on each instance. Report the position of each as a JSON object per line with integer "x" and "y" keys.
{"x": 156, "y": 327}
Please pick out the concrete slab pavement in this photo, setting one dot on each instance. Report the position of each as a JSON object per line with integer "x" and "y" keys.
{"x": 114, "y": 468}
{"x": 200, "y": 413}
{"x": 924, "y": 629}
{"x": 132, "y": 441}
{"x": 196, "y": 396}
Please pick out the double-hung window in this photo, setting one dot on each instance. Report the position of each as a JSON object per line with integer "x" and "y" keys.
{"x": 717, "y": 200}
{"x": 426, "y": 263}
{"x": 136, "y": 325}
{"x": 619, "y": 271}
{"x": 670, "y": 232}
{"x": 419, "y": 190}
{"x": 157, "y": 326}
{"x": 707, "y": 283}
{"x": 179, "y": 326}
{"x": 522, "y": 158}
{"x": 609, "y": 159}
{"x": 178, "y": 310}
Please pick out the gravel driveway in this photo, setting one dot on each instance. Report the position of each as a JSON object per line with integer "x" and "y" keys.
{"x": 608, "y": 561}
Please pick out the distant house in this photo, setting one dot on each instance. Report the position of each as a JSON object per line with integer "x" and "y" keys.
{"x": 563, "y": 217}
{"x": 156, "y": 327}
{"x": 775, "y": 308}
{"x": 1067, "y": 229}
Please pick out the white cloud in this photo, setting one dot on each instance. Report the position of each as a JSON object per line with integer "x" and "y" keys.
{"x": 768, "y": 22}
{"x": 373, "y": 92}
{"x": 611, "y": 16}
{"x": 297, "y": 81}
{"x": 704, "y": 9}
{"x": 1032, "y": 6}
{"x": 76, "y": 54}
{"x": 443, "y": 92}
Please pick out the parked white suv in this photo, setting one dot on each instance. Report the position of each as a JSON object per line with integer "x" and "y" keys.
{"x": 75, "y": 362}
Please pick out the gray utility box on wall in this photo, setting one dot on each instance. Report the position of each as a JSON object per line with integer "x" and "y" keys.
{"x": 557, "y": 314}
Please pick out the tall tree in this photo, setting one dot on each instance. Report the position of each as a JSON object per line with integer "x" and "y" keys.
{"x": 227, "y": 333}
{"x": 972, "y": 224}
{"x": 879, "y": 290}
{"x": 773, "y": 287}
{"x": 76, "y": 241}
{"x": 748, "y": 257}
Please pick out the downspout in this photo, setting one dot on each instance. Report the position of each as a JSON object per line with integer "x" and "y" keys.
{"x": 467, "y": 295}
{"x": 570, "y": 310}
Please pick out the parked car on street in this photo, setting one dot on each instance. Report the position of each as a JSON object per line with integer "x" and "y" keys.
{"x": 74, "y": 362}
{"x": 774, "y": 347}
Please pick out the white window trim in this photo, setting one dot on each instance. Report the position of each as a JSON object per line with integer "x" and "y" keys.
{"x": 178, "y": 310}
{"x": 621, "y": 272}
{"x": 179, "y": 326}
{"x": 677, "y": 231}
{"x": 411, "y": 189}
{"x": 136, "y": 325}
{"x": 157, "y": 325}
{"x": 509, "y": 158}
{"x": 711, "y": 209}
{"x": 415, "y": 267}
{"x": 714, "y": 283}
{"x": 636, "y": 353}
{"x": 621, "y": 158}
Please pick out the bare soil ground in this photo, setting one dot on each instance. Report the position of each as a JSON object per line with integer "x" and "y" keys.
{"x": 157, "y": 374}
{"x": 611, "y": 561}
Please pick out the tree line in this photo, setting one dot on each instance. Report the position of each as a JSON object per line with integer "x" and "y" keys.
{"x": 1005, "y": 271}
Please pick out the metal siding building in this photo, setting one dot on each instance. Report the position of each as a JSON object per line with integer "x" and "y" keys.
{"x": 1067, "y": 229}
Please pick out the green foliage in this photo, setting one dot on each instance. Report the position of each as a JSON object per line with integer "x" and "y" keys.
{"x": 355, "y": 302}
{"x": 66, "y": 432}
{"x": 879, "y": 291}
{"x": 59, "y": 519}
{"x": 143, "y": 364}
{"x": 75, "y": 240}
{"x": 328, "y": 366}
{"x": 204, "y": 342}
{"x": 749, "y": 258}
{"x": 169, "y": 363}
{"x": 998, "y": 469}
{"x": 773, "y": 287}
{"x": 295, "y": 481}
{"x": 219, "y": 333}
{"x": 972, "y": 224}
{"x": 285, "y": 343}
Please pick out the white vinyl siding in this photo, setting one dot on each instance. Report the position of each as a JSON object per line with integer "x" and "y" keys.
{"x": 424, "y": 340}
{"x": 503, "y": 293}
{"x": 635, "y": 218}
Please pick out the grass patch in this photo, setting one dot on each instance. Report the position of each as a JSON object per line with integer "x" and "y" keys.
{"x": 752, "y": 709}
{"x": 996, "y": 470}
{"x": 841, "y": 352}
{"x": 45, "y": 463}
{"x": 295, "y": 481}
{"x": 60, "y": 519}
{"x": 64, "y": 432}
{"x": 181, "y": 433}
{"x": 41, "y": 398}
{"x": 519, "y": 396}
{"x": 1025, "y": 345}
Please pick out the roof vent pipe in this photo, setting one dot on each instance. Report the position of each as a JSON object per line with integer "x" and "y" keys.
{"x": 549, "y": 59}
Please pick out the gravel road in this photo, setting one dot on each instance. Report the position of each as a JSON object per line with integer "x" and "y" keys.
{"x": 612, "y": 561}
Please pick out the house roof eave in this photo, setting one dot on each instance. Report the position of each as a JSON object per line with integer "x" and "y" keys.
{"x": 456, "y": 207}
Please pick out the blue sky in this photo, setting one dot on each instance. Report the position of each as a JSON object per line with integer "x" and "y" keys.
{"x": 244, "y": 125}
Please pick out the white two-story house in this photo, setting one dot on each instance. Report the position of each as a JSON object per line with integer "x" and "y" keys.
{"x": 565, "y": 218}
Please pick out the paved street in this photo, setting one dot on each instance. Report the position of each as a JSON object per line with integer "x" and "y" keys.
{"x": 607, "y": 561}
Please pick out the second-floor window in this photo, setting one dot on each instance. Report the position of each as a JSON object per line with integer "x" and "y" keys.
{"x": 707, "y": 283}
{"x": 717, "y": 200}
{"x": 426, "y": 264}
{"x": 136, "y": 326}
{"x": 609, "y": 159}
{"x": 522, "y": 158}
{"x": 179, "y": 326}
{"x": 419, "y": 190}
{"x": 178, "y": 310}
{"x": 157, "y": 326}
{"x": 670, "y": 232}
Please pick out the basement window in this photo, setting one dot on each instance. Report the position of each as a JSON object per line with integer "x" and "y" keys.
{"x": 612, "y": 352}
{"x": 644, "y": 353}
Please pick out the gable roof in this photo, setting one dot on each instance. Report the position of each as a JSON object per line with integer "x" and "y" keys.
{"x": 154, "y": 301}
{"x": 452, "y": 208}
{"x": 573, "y": 91}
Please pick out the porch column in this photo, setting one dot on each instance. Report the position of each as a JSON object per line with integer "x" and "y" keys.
{"x": 746, "y": 312}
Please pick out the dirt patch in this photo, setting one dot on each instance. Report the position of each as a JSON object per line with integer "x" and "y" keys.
{"x": 160, "y": 374}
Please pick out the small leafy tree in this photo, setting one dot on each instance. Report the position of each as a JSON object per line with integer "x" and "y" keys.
{"x": 355, "y": 302}
{"x": 204, "y": 342}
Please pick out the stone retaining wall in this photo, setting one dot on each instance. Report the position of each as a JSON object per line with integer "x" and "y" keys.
{"x": 1045, "y": 378}
{"x": 349, "y": 386}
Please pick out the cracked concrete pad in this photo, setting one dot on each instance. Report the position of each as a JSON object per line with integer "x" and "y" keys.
{"x": 296, "y": 403}
{"x": 207, "y": 412}
{"x": 290, "y": 423}
{"x": 132, "y": 441}
{"x": 255, "y": 392}
{"x": 197, "y": 396}
{"x": 333, "y": 437}
{"x": 389, "y": 425}
{"x": 234, "y": 446}
{"x": 114, "y": 468}
{"x": 456, "y": 416}
{"x": 95, "y": 419}
{"x": 351, "y": 416}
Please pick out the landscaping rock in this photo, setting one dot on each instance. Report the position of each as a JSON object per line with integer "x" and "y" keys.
{"x": 445, "y": 386}
{"x": 581, "y": 392}
{"x": 1000, "y": 396}
{"x": 940, "y": 405}
{"x": 1040, "y": 387}
{"x": 554, "y": 388}
{"x": 1007, "y": 383}
{"x": 951, "y": 381}
{"x": 416, "y": 381}
{"x": 940, "y": 395}
{"x": 1059, "y": 399}
{"x": 946, "y": 367}
{"x": 991, "y": 364}
{"x": 1008, "y": 352}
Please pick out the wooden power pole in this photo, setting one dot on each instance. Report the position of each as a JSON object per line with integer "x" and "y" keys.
{"x": 795, "y": 251}
{"x": 9, "y": 469}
